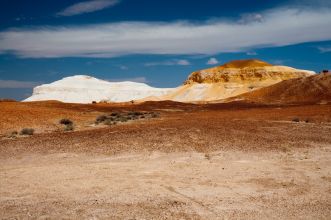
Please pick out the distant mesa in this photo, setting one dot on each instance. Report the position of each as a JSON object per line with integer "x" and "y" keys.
{"x": 218, "y": 83}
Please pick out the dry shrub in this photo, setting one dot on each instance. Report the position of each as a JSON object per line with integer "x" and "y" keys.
{"x": 27, "y": 131}
{"x": 66, "y": 121}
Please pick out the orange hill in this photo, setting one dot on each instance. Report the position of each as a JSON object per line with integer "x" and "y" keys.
{"x": 246, "y": 71}
{"x": 313, "y": 89}
{"x": 229, "y": 80}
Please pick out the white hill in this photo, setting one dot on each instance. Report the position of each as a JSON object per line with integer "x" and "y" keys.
{"x": 85, "y": 89}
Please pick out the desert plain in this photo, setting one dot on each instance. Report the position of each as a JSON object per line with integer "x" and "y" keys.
{"x": 194, "y": 161}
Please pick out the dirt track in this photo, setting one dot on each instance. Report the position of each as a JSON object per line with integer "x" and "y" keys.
{"x": 194, "y": 162}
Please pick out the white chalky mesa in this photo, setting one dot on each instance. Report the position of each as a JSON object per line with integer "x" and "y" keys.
{"x": 86, "y": 89}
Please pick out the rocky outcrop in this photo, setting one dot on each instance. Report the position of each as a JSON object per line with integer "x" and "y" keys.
{"x": 245, "y": 71}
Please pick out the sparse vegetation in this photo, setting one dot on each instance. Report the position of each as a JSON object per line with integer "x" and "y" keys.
{"x": 101, "y": 119}
{"x": 69, "y": 127}
{"x": 109, "y": 122}
{"x": 123, "y": 119}
{"x": 296, "y": 120}
{"x": 27, "y": 131}
{"x": 66, "y": 121}
{"x": 115, "y": 117}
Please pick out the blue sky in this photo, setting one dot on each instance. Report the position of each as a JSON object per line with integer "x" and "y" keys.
{"x": 156, "y": 42}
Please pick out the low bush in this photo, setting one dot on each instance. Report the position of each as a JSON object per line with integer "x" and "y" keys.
{"x": 27, "y": 131}
{"x": 123, "y": 119}
{"x": 66, "y": 121}
{"x": 115, "y": 114}
{"x": 101, "y": 118}
{"x": 109, "y": 122}
{"x": 296, "y": 120}
{"x": 69, "y": 127}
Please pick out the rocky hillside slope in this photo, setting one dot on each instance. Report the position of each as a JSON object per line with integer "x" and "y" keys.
{"x": 313, "y": 89}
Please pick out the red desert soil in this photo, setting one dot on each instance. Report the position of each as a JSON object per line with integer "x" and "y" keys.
{"x": 212, "y": 161}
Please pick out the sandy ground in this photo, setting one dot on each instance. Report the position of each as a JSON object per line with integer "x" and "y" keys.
{"x": 194, "y": 162}
{"x": 227, "y": 184}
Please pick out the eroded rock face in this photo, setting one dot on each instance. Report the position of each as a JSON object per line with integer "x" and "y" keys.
{"x": 245, "y": 71}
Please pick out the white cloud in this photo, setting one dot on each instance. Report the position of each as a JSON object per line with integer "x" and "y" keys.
{"x": 278, "y": 27}
{"x": 248, "y": 18}
{"x": 13, "y": 84}
{"x": 170, "y": 63}
{"x": 324, "y": 49}
{"x": 87, "y": 7}
{"x": 212, "y": 61}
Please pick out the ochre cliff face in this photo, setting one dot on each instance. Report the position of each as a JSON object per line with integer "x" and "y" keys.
{"x": 245, "y": 71}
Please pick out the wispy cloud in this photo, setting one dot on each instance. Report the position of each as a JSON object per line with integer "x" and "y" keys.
{"x": 279, "y": 61}
{"x": 251, "y": 53}
{"x": 170, "y": 63}
{"x": 279, "y": 27}
{"x": 123, "y": 67}
{"x": 87, "y": 7}
{"x": 324, "y": 49}
{"x": 140, "y": 79}
{"x": 13, "y": 84}
{"x": 212, "y": 61}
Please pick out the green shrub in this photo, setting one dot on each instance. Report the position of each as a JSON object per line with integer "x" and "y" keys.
{"x": 27, "y": 131}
